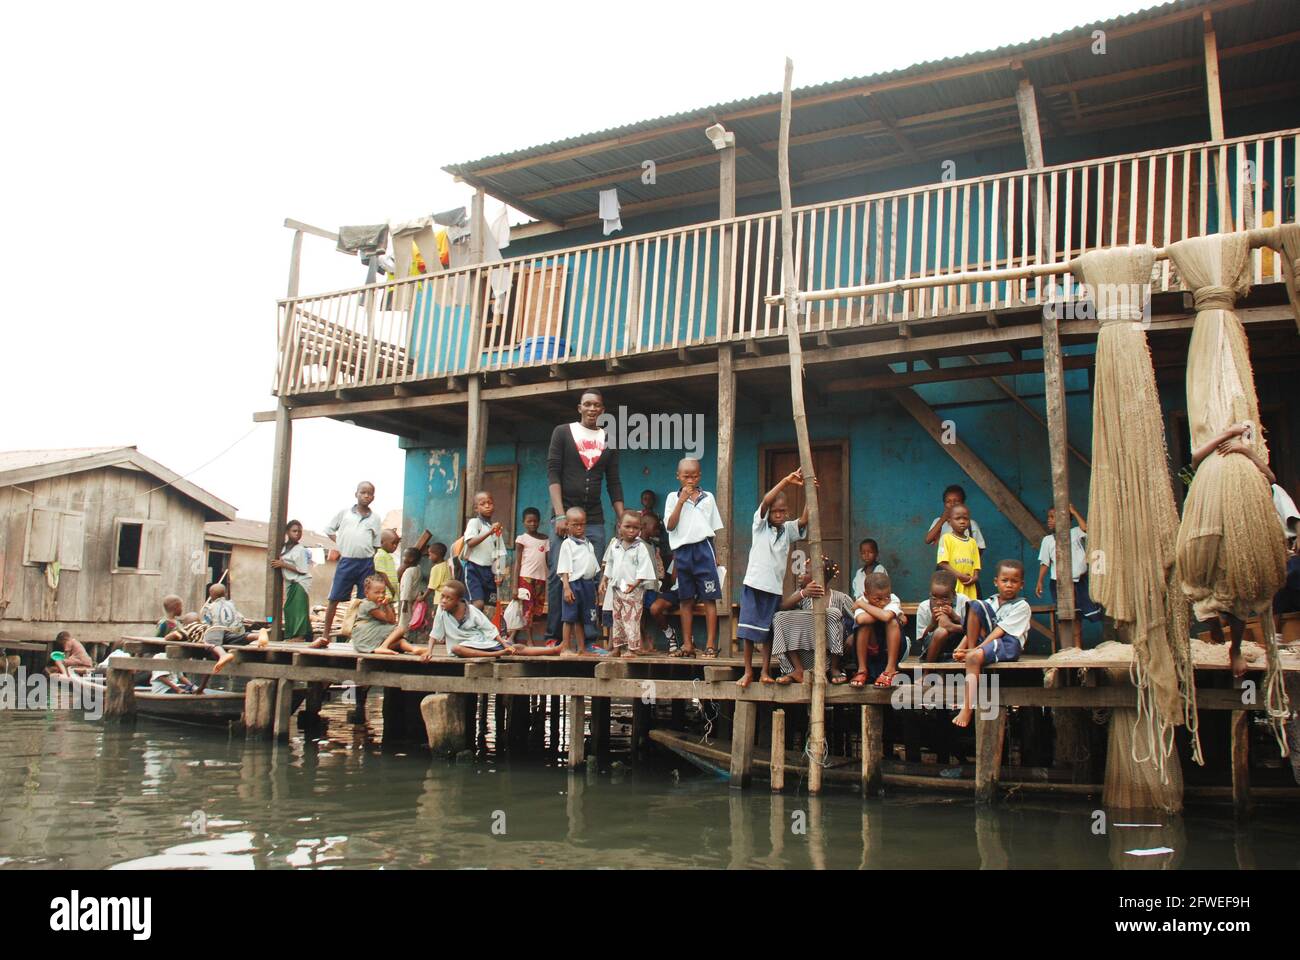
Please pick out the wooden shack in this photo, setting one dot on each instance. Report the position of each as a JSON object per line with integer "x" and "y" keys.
{"x": 91, "y": 539}
{"x": 236, "y": 555}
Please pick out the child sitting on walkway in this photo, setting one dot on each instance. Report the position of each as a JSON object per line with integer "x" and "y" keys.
{"x": 878, "y": 638}
{"x": 693, "y": 519}
{"x": 225, "y": 622}
{"x": 376, "y": 629}
{"x": 173, "y": 607}
{"x": 193, "y": 630}
{"x": 468, "y": 632}
{"x": 996, "y": 630}
{"x": 941, "y": 619}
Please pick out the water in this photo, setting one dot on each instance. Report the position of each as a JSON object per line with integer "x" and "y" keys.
{"x": 83, "y": 794}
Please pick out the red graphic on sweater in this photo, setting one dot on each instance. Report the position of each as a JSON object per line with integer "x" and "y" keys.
{"x": 590, "y": 451}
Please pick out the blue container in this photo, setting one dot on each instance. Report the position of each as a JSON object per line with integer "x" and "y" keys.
{"x": 542, "y": 348}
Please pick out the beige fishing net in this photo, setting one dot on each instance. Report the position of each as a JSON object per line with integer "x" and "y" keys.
{"x": 1132, "y": 517}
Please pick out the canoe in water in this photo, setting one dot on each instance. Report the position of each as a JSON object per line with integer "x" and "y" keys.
{"x": 218, "y": 707}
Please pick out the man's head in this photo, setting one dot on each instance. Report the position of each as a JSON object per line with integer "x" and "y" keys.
{"x": 216, "y": 592}
{"x": 389, "y": 539}
{"x": 688, "y": 472}
{"x": 590, "y": 406}
{"x": 437, "y": 551}
{"x": 877, "y": 589}
{"x": 532, "y": 519}
{"x": 953, "y": 494}
{"x": 172, "y": 605}
{"x": 575, "y": 520}
{"x": 452, "y": 595}
{"x": 779, "y": 511}
{"x": 1009, "y": 579}
{"x": 868, "y": 553}
{"x": 484, "y": 505}
{"x": 959, "y": 518}
{"x": 365, "y": 494}
{"x": 943, "y": 587}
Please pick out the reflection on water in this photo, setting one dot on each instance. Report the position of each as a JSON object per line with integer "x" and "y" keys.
{"x": 75, "y": 793}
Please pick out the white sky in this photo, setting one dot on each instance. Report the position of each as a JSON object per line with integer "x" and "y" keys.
{"x": 153, "y": 151}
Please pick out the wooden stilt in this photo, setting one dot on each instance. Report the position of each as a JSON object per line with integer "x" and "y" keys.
{"x": 120, "y": 695}
{"x": 778, "y": 751}
{"x": 742, "y": 743}
{"x": 642, "y": 722}
{"x": 469, "y": 708}
{"x": 600, "y": 727}
{"x": 577, "y": 734}
{"x": 1057, "y": 441}
{"x": 555, "y": 724}
{"x": 726, "y": 457}
{"x": 394, "y": 715}
{"x": 1240, "y": 727}
{"x": 989, "y": 735}
{"x": 444, "y": 722}
{"x": 259, "y": 698}
{"x": 873, "y": 748}
{"x": 518, "y": 723}
{"x": 500, "y": 736}
{"x": 283, "y": 709}
{"x": 317, "y": 691}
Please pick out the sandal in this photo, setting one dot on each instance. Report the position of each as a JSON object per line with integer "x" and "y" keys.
{"x": 710, "y": 653}
{"x": 681, "y": 653}
{"x": 859, "y": 680}
{"x": 839, "y": 678}
{"x": 886, "y": 678}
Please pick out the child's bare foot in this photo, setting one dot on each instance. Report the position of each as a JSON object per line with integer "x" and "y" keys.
{"x": 745, "y": 680}
{"x": 320, "y": 643}
{"x": 388, "y": 650}
{"x": 418, "y": 651}
{"x": 616, "y": 652}
{"x": 223, "y": 662}
{"x": 765, "y": 678}
{"x": 1237, "y": 660}
{"x": 963, "y": 717}
{"x": 959, "y": 655}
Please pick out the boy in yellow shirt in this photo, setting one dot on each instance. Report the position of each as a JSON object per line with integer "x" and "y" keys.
{"x": 959, "y": 553}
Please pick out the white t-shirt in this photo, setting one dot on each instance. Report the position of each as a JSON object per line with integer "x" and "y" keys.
{"x": 769, "y": 553}
{"x": 577, "y": 559}
{"x": 974, "y": 531}
{"x": 1078, "y": 553}
{"x": 894, "y": 606}
{"x": 300, "y": 557}
{"x": 698, "y": 521}
{"x": 475, "y": 631}
{"x": 924, "y": 618}
{"x": 156, "y": 678}
{"x": 486, "y": 552}
{"x": 590, "y": 443}
{"x": 1013, "y": 617}
{"x": 860, "y": 578}
{"x": 624, "y": 565}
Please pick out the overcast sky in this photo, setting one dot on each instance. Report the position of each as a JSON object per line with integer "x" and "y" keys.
{"x": 153, "y": 151}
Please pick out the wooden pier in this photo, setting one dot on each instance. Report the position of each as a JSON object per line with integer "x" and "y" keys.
{"x": 438, "y": 701}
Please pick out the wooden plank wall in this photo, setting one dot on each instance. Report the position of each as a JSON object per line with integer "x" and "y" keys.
{"x": 94, "y": 595}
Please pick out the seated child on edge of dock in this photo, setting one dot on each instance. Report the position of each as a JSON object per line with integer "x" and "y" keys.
{"x": 191, "y": 629}
{"x": 467, "y": 631}
{"x": 769, "y": 555}
{"x": 224, "y": 621}
{"x": 376, "y": 629}
{"x": 941, "y": 618}
{"x": 693, "y": 519}
{"x": 577, "y": 568}
{"x": 173, "y": 606}
{"x": 959, "y": 552}
{"x": 628, "y": 572}
{"x": 878, "y": 637}
{"x": 996, "y": 630}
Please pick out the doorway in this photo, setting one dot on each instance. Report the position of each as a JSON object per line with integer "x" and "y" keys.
{"x": 831, "y": 461}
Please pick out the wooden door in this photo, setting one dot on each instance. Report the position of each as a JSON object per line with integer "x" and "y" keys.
{"x": 538, "y": 308}
{"x": 830, "y": 460}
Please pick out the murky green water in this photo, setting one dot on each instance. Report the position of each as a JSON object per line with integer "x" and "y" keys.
{"x": 77, "y": 793}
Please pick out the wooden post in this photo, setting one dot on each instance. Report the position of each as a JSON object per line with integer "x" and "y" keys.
{"x": 1057, "y": 440}
{"x": 476, "y": 437}
{"x": 642, "y": 722}
{"x": 274, "y": 607}
{"x": 989, "y": 734}
{"x": 600, "y": 726}
{"x": 394, "y": 715}
{"x": 777, "y": 756}
{"x": 316, "y": 692}
{"x": 817, "y": 710}
{"x": 742, "y": 743}
{"x": 1240, "y": 721}
{"x": 577, "y": 741}
{"x": 444, "y": 722}
{"x": 283, "y": 709}
{"x": 555, "y": 724}
{"x": 873, "y": 748}
{"x": 1027, "y": 107}
{"x": 726, "y": 211}
{"x": 726, "y": 457}
{"x": 258, "y": 703}
{"x": 120, "y": 695}
{"x": 1212, "y": 90}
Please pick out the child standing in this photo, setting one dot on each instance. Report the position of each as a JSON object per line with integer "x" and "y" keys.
{"x": 1084, "y": 606}
{"x": 953, "y": 495}
{"x": 629, "y": 571}
{"x": 482, "y": 551}
{"x": 533, "y": 550}
{"x": 412, "y": 588}
{"x": 294, "y": 563}
{"x": 693, "y": 519}
{"x": 941, "y": 619}
{"x": 868, "y": 554}
{"x": 996, "y": 630}
{"x": 878, "y": 637}
{"x": 959, "y": 553}
{"x": 577, "y": 567}
{"x": 659, "y": 600}
{"x": 386, "y": 560}
{"x": 769, "y": 554}
{"x": 440, "y": 572}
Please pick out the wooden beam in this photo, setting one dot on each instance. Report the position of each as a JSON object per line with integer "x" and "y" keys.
{"x": 997, "y": 491}
{"x": 577, "y": 723}
{"x": 1057, "y": 434}
{"x": 1240, "y": 759}
{"x": 1068, "y": 362}
{"x": 279, "y": 516}
{"x": 1213, "y": 94}
{"x": 1027, "y": 108}
{"x": 523, "y": 206}
{"x": 300, "y": 227}
{"x": 873, "y": 748}
{"x": 776, "y": 757}
{"x": 891, "y": 124}
{"x": 990, "y": 732}
{"x": 726, "y": 461}
{"x": 476, "y": 434}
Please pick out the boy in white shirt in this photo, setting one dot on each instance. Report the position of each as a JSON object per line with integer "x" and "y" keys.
{"x": 996, "y": 630}
{"x": 482, "y": 551}
{"x": 765, "y": 574}
{"x": 577, "y": 567}
{"x": 878, "y": 639}
{"x": 940, "y": 619}
{"x": 1084, "y": 605}
{"x": 628, "y": 572}
{"x": 868, "y": 554}
{"x": 693, "y": 519}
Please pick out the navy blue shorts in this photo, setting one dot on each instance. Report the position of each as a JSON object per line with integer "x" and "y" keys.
{"x": 757, "y": 608}
{"x": 351, "y": 572}
{"x": 584, "y": 609}
{"x": 1084, "y": 605}
{"x": 1002, "y": 650}
{"x": 606, "y": 617}
{"x": 651, "y": 596}
{"x": 480, "y": 582}
{"x": 697, "y": 572}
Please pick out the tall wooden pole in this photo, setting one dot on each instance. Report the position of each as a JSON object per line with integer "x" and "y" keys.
{"x": 1057, "y": 440}
{"x": 817, "y": 710}
{"x": 274, "y": 601}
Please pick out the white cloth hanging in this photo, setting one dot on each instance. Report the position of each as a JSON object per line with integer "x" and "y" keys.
{"x": 501, "y": 229}
{"x": 609, "y": 210}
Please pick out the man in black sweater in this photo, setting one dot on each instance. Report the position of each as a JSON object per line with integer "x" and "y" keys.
{"x": 577, "y": 461}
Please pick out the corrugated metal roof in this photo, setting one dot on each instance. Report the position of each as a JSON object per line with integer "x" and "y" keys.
{"x": 253, "y": 533}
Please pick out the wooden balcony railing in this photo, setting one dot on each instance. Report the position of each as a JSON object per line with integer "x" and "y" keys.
{"x": 706, "y": 283}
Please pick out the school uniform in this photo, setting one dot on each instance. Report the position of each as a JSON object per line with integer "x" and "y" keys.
{"x": 974, "y": 531}
{"x": 860, "y": 578}
{"x": 1013, "y": 617}
{"x": 662, "y": 557}
{"x": 357, "y": 537}
{"x": 878, "y": 641}
{"x": 963, "y": 555}
{"x": 694, "y": 563}
{"x": 626, "y": 564}
{"x": 1083, "y": 602}
{"x": 577, "y": 558}
{"x": 476, "y": 631}
{"x": 479, "y": 560}
{"x": 924, "y": 617}
{"x": 760, "y": 596}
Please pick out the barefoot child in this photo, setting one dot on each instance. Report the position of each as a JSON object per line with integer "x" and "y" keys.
{"x": 959, "y": 553}
{"x": 941, "y": 619}
{"x": 294, "y": 563}
{"x": 376, "y": 629}
{"x": 769, "y": 555}
{"x": 629, "y": 571}
{"x": 533, "y": 553}
{"x": 1084, "y": 606}
{"x": 225, "y": 622}
{"x": 411, "y": 587}
{"x": 996, "y": 630}
{"x": 878, "y": 636}
{"x": 75, "y": 659}
{"x": 577, "y": 568}
{"x": 468, "y": 632}
{"x": 953, "y": 496}
{"x": 440, "y": 572}
{"x": 482, "y": 551}
{"x": 693, "y": 519}
{"x": 193, "y": 630}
